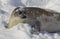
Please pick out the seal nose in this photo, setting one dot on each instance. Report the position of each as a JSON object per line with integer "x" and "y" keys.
{"x": 6, "y": 26}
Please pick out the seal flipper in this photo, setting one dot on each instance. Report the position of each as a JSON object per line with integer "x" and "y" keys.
{"x": 36, "y": 27}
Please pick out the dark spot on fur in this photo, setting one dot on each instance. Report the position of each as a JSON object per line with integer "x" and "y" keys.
{"x": 58, "y": 18}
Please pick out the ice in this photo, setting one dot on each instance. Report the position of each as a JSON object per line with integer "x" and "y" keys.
{"x": 22, "y": 31}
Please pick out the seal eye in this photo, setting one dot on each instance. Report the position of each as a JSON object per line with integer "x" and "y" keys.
{"x": 19, "y": 12}
{"x": 23, "y": 16}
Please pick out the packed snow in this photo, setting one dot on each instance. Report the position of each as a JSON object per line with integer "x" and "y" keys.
{"x": 22, "y": 31}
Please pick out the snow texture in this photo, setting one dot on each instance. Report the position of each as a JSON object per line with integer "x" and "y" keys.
{"x": 22, "y": 31}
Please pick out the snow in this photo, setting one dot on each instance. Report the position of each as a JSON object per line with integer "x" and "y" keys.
{"x": 22, "y": 31}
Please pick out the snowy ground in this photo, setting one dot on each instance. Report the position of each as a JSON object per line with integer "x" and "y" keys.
{"x": 18, "y": 32}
